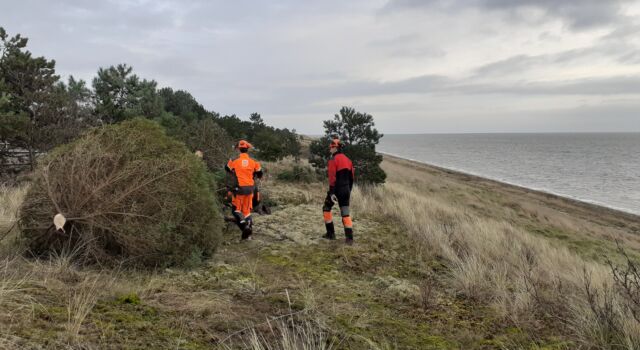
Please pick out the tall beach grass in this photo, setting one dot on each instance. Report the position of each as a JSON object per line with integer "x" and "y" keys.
{"x": 526, "y": 279}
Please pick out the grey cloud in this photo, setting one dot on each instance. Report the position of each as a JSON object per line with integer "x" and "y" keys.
{"x": 430, "y": 86}
{"x": 434, "y": 84}
{"x": 579, "y": 14}
{"x": 606, "y": 117}
{"x": 509, "y": 65}
{"x": 619, "y": 85}
{"x": 407, "y": 45}
{"x": 623, "y": 51}
{"x": 420, "y": 52}
{"x": 630, "y": 58}
{"x": 395, "y": 40}
{"x": 245, "y": 56}
{"x": 521, "y": 63}
{"x": 608, "y": 86}
{"x": 438, "y": 85}
{"x": 624, "y": 31}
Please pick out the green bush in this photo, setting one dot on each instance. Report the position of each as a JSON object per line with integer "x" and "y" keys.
{"x": 298, "y": 173}
{"x": 131, "y": 195}
{"x": 270, "y": 143}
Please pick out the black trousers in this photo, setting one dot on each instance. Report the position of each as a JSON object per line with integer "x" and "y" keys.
{"x": 343, "y": 194}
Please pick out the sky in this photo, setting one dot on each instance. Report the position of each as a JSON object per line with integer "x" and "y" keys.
{"x": 417, "y": 66}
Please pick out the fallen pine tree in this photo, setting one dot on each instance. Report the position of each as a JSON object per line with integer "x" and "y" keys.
{"x": 129, "y": 195}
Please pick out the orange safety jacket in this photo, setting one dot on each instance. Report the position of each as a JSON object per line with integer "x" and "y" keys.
{"x": 244, "y": 168}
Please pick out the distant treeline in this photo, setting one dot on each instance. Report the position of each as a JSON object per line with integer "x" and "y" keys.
{"x": 38, "y": 111}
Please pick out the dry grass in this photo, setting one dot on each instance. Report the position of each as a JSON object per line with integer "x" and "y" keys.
{"x": 11, "y": 199}
{"x": 14, "y": 283}
{"x": 527, "y": 279}
{"x": 82, "y": 299}
{"x": 30, "y": 290}
{"x": 23, "y": 284}
{"x": 17, "y": 285}
{"x": 373, "y": 295}
{"x": 66, "y": 294}
{"x": 274, "y": 168}
{"x": 586, "y": 230}
{"x": 297, "y": 330}
{"x": 288, "y": 333}
{"x": 291, "y": 170}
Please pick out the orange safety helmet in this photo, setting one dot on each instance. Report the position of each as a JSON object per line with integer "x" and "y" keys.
{"x": 243, "y": 144}
{"x": 335, "y": 143}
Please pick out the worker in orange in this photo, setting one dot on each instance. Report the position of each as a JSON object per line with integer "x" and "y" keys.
{"x": 341, "y": 174}
{"x": 244, "y": 170}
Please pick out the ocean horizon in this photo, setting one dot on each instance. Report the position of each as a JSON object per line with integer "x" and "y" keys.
{"x": 601, "y": 168}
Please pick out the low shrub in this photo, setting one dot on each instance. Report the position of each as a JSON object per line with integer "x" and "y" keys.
{"x": 298, "y": 173}
{"x": 292, "y": 170}
{"x": 131, "y": 195}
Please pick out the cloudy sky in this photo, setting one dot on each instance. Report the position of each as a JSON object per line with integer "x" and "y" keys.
{"x": 416, "y": 65}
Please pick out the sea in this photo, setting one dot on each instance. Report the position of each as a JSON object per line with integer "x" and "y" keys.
{"x": 599, "y": 168}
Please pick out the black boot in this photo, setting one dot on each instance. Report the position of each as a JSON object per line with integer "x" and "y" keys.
{"x": 246, "y": 233}
{"x": 348, "y": 236}
{"x": 239, "y": 220}
{"x": 247, "y": 229}
{"x": 331, "y": 232}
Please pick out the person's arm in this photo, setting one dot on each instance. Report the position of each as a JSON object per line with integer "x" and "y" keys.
{"x": 351, "y": 177}
{"x": 229, "y": 166}
{"x": 331, "y": 171}
{"x": 258, "y": 171}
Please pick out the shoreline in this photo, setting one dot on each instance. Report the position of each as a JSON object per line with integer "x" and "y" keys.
{"x": 562, "y": 203}
{"x": 505, "y": 182}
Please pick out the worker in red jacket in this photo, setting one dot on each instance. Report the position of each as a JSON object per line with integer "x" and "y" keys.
{"x": 341, "y": 174}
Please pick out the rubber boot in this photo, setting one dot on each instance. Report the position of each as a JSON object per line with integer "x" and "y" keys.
{"x": 348, "y": 236}
{"x": 239, "y": 220}
{"x": 246, "y": 233}
{"x": 331, "y": 231}
{"x": 247, "y": 229}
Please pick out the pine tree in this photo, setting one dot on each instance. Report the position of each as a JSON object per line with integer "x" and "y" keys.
{"x": 359, "y": 136}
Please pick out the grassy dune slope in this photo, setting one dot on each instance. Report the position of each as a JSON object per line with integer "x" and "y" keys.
{"x": 587, "y": 230}
{"x": 416, "y": 279}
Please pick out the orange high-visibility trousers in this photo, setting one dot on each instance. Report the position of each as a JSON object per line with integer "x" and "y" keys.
{"x": 243, "y": 203}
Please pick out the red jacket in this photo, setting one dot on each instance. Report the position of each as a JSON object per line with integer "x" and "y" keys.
{"x": 340, "y": 171}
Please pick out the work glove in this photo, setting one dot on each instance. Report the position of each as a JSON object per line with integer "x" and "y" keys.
{"x": 332, "y": 195}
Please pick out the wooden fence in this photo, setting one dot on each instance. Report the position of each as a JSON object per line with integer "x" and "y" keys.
{"x": 13, "y": 160}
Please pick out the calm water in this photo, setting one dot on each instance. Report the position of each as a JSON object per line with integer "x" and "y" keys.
{"x": 597, "y": 168}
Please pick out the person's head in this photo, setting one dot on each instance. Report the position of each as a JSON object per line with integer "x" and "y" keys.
{"x": 243, "y": 146}
{"x": 335, "y": 146}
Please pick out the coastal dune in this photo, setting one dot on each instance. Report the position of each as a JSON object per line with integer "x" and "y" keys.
{"x": 533, "y": 257}
{"x": 538, "y": 211}
{"x": 442, "y": 260}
